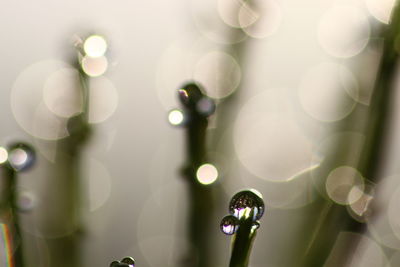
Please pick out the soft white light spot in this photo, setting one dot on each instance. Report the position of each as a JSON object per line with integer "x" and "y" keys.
{"x": 260, "y": 19}
{"x": 175, "y": 117}
{"x": 94, "y": 67}
{"x": 381, "y": 9}
{"x": 344, "y": 31}
{"x": 219, "y": 73}
{"x": 268, "y": 141}
{"x": 345, "y": 185}
{"x": 229, "y": 11}
{"x": 3, "y": 155}
{"x": 207, "y": 174}
{"x": 328, "y": 92}
{"x": 27, "y": 104}
{"x": 95, "y": 46}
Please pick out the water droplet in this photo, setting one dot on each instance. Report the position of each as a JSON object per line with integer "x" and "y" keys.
{"x": 243, "y": 202}
{"x": 21, "y": 156}
{"x": 229, "y": 225}
{"x": 129, "y": 260}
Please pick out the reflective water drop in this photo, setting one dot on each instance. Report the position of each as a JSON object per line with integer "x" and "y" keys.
{"x": 229, "y": 225}
{"x": 243, "y": 202}
{"x": 21, "y": 156}
{"x": 129, "y": 260}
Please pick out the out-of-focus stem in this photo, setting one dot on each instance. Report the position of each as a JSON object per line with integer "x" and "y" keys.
{"x": 10, "y": 190}
{"x": 378, "y": 116}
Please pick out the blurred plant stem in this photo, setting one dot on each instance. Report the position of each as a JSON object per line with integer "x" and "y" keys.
{"x": 200, "y": 196}
{"x": 70, "y": 198}
{"x": 336, "y": 218}
{"x": 9, "y": 213}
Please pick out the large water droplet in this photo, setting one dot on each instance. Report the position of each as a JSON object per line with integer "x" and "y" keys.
{"x": 229, "y": 225}
{"x": 243, "y": 202}
{"x": 21, "y": 156}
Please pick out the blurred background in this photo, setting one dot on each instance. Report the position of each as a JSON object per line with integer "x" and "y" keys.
{"x": 291, "y": 80}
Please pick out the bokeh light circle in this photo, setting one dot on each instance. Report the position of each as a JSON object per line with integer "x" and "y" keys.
{"x": 3, "y": 155}
{"x": 345, "y": 185}
{"x": 176, "y": 117}
{"x": 27, "y": 103}
{"x": 62, "y": 93}
{"x": 344, "y": 31}
{"x": 94, "y": 66}
{"x": 260, "y": 18}
{"x": 95, "y": 46}
{"x": 381, "y": 9}
{"x": 219, "y": 73}
{"x": 328, "y": 92}
{"x": 267, "y": 140}
{"x": 207, "y": 174}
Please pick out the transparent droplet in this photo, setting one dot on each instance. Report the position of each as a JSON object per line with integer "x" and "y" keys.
{"x": 176, "y": 117}
{"x": 205, "y": 106}
{"x": 229, "y": 225}
{"x": 3, "y": 155}
{"x": 21, "y": 156}
{"x": 129, "y": 260}
{"x": 243, "y": 202}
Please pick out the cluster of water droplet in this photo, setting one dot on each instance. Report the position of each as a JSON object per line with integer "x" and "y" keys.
{"x": 195, "y": 103}
{"x": 19, "y": 156}
{"x": 243, "y": 205}
{"x": 125, "y": 262}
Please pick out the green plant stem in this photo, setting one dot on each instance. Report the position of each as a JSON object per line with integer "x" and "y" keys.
{"x": 200, "y": 196}
{"x": 371, "y": 163}
{"x": 10, "y": 191}
{"x": 242, "y": 244}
